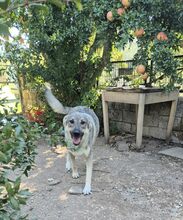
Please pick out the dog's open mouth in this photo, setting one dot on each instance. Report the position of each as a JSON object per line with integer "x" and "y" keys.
{"x": 76, "y": 137}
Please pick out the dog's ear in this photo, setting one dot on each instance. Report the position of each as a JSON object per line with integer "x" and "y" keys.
{"x": 65, "y": 120}
{"x": 90, "y": 124}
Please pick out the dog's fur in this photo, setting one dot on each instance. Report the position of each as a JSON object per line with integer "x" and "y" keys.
{"x": 81, "y": 126}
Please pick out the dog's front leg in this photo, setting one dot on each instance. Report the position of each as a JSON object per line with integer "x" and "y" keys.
{"x": 68, "y": 162}
{"x": 89, "y": 167}
{"x": 75, "y": 173}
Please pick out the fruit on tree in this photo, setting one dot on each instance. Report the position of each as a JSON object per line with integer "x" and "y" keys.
{"x": 140, "y": 69}
{"x": 139, "y": 32}
{"x": 126, "y": 3}
{"x": 144, "y": 76}
{"x": 109, "y": 16}
{"x": 161, "y": 36}
{"x": 120, "y": 11}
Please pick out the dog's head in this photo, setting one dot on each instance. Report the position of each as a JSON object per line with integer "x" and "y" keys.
{"x": 77, "y": 127}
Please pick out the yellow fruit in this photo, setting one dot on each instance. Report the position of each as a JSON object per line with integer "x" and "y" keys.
{"x": 126, "y": 3}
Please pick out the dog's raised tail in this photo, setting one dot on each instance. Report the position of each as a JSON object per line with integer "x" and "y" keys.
{"x": 53, "y": 101}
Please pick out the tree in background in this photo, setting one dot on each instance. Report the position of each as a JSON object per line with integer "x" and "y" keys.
{"x": 157, "y": 26}
{"x": 70, "y": 48}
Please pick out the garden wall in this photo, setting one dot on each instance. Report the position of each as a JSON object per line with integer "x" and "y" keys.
{"x": 122, "y": 117}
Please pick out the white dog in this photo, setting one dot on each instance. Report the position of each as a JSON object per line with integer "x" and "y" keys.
{"x": 81, "y": 127}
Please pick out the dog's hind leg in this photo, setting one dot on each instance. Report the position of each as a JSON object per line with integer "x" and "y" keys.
{"x": 89, "y": 167}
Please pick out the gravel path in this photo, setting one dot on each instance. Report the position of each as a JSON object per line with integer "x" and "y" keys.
{"x": 127, "y": 185}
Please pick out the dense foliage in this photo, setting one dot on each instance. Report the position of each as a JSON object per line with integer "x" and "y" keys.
{"x": 157, "y": 26}
{"x": 70, "y": 48}
{"x": 17, "y": 154}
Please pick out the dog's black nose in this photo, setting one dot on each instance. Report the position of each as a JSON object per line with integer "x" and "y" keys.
{"x": 76, "y": 133}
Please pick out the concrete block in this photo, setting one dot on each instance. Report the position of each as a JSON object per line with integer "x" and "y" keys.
{"x": 151, "y": 120}
{"x": 179, "y": 111}
{"x": 177, "y": 124}
{"x": 146, "y": 131}
{"x": 132, "y": 107}
{"x": 181, "y": 124}
{"x": 147, "y": 109}
{"x": 134, "y": 128}
{"x": 163, "y": 121}
{"x": 115, "y": 115}
{"x": 117, "y": 127}
{"x": 119, "y": 106}
{"x": 125, "y": 127}
{"x": 164, "y": 108}
{"x": 156, "y": 132}
{"x": 154, "y": 109}
{"x": 129, "y": 117}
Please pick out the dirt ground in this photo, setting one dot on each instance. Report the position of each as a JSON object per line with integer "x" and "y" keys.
{"x": 127, "y": 185}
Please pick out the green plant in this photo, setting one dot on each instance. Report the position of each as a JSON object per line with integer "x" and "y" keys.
{"x": 17, "y": 154}
{"x": 53, "y": 127}
{"x": 159, "y": 37}
{"x": 63, "y": 50}
{"x": 7, "y": 7}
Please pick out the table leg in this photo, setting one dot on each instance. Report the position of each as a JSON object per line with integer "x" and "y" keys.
{"x": 171, "y": 120}
{"x": 140, "y": 120}
{"x": 105, "y": 119}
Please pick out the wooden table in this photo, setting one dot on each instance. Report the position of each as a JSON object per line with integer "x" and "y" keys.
{"x": 140, "y": 97}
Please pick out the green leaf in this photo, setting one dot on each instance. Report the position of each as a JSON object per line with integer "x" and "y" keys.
{"x": 9, "y": 188}
{"x": 4, "y": 29}
{"x": 78, "y": 5}
{"x": 22, "y": 200}
{"x": 57, "y": 3}
{"x": 17, "y": 184}
{"x": 25, "y": 193}
{"x": 4, "y": 4}
{"x": 14, "y": 203}
{"x": 4, "y": 216}
{"x": 3, "y": 157}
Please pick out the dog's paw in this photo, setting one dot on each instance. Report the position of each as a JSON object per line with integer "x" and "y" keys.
{"x": 75, "y": 175}
{"x": 87, "y": 190}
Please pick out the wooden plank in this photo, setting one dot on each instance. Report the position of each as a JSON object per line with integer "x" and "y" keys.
{"x": 140, "y": 120}
{"x": 171, "y": 120}
{"x": 130, "y": 98}
{"x": 105, "y": 118}
{"x": 159, "y": 97}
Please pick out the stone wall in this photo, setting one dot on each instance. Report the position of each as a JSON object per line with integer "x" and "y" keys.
{"x": 122, "y": 117}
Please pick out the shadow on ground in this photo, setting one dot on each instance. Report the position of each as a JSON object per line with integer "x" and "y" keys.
{"x": 127, "y": 185}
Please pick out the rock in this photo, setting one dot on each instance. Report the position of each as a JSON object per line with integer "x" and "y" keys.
{"x": 75, "y": 190}
{"x": 52, "y": 182}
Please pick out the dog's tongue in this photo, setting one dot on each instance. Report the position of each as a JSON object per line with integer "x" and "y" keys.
{"x": 76, "y": 140}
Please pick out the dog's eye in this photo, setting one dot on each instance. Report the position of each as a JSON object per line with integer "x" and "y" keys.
{"x": 83, "y": 122}
{"x": 71, "y": 121}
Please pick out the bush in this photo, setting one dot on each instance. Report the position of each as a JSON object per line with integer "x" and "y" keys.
{"x": 17, "y": 153}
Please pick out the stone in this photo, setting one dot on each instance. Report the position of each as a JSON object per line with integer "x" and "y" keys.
{"x": 53, "y": 182}
{"x": 75, "y": 190}
{"x": 173, "y": 152}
